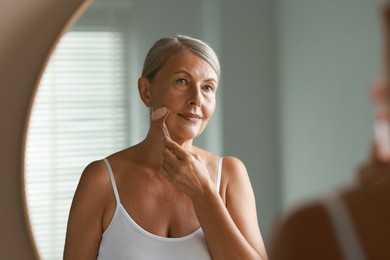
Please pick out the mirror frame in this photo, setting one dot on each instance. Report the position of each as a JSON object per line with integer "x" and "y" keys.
{"x": 29, "y": 32}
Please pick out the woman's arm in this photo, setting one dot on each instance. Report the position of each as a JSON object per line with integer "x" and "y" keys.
{"x": 84, "y": 229}
{"x": 231, "y": 231}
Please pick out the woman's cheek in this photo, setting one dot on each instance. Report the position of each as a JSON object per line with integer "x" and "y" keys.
{"x": 210, "y": 108}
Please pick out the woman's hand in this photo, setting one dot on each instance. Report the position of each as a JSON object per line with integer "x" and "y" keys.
{"x": 235, "y": 221}
{"x": 185, "y": 170}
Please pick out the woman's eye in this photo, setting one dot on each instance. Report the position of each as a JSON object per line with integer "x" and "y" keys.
{"x": 181, "y": 81}
{"x": 208, "y": 88}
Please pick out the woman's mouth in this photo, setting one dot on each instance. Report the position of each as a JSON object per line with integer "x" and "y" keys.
{"x": 194, "y": 118}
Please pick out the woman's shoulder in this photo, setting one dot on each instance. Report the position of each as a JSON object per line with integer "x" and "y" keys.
{"x": 95, "y": 177}
{"x": 235, "y": 177}
{"x": 93, "y": 191}
{"x": 94, "y": 170}
{"x": 233, "y": 163}
{"x": 292, "y": 236}
{"x": 234, "y": 169}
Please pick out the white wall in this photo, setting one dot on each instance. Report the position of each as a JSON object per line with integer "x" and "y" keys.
{"x": 250, "y": 101}
{"x": 328, "y": 55}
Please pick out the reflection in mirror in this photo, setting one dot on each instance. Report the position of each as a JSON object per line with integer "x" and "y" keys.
{"x": 80, "y": 113}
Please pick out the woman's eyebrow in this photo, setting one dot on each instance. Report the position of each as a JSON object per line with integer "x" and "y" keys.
{"x": 211, "y": 80}
{"x": 189, "y": 75}
{"x": 183, "y": 71}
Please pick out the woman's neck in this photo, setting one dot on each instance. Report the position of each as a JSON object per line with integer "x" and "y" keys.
{"x": 151, "y": 148}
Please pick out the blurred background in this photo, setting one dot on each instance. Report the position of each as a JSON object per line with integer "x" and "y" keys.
{"x": 292, "y": 103}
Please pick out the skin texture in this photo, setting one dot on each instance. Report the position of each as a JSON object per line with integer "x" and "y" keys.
{"x": 171, "y": 178}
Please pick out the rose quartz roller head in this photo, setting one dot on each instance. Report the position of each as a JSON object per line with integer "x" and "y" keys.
{"x": 158, "y": 116}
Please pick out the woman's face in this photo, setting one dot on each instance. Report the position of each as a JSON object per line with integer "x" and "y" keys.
{"x": 187, "y": 85}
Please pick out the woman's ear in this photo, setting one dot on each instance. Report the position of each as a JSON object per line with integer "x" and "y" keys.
{"x": 144, "y": 90}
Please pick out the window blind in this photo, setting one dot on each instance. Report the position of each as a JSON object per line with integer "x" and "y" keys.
{"x": 80, "y": 114}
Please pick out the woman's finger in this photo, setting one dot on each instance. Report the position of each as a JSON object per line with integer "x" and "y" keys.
{"x": 175, "y": 148}
{"x": 169, "y": 156}
{"x": 166, "y": 169}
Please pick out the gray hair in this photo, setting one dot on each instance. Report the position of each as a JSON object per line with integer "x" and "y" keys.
{"x": 166, "y": 47}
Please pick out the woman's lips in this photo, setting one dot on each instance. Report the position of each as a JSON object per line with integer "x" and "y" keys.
{"x": 190, "y": 117}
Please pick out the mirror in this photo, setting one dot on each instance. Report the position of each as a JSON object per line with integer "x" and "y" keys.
{"x": 80, "y": 114}
{"x": 271, "y": 86}
{"x": 85, "y": 108}
{"x": 27, "y": 41}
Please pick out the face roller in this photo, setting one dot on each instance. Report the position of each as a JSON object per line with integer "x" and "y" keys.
{"x": 158, "y": 116}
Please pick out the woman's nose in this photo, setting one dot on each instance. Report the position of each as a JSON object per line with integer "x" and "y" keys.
{"x": 195, "y": 98}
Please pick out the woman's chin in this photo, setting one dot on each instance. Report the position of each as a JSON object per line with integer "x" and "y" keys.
{"x": 184, "y": 136}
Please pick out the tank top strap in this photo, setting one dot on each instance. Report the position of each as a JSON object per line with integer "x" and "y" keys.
{"x": 219, "y": 175}
{"x": 345, "y": 232}
{"x": 112, "y": 179}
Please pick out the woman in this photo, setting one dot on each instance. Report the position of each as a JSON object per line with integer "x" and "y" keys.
{"x": 164, "y": 198}
{"x": 350, "y": 224}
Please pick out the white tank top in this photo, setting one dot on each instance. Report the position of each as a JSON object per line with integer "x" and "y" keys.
{"x": 124, "y": 239}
